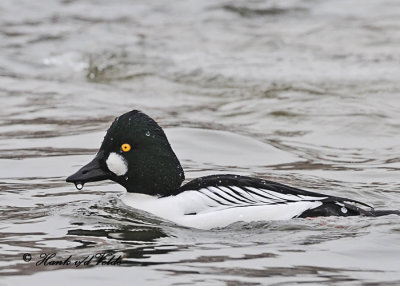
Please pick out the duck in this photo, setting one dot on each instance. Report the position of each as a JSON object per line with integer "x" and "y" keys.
{"x": 136, "y": 154}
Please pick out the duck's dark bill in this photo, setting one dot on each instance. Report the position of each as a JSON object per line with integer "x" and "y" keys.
{"x": 91, "y": 172}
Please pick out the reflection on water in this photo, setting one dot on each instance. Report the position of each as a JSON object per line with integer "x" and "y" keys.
{"x": 300, "y": 92}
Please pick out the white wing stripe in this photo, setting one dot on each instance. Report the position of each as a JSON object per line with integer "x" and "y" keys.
{"x": 270, "y": 194}
{"x": 240, "y": 196}
{"x": 221, "y": 196}
{"x": 243, "y": 194}
{"x": 226, "y": 193}
{"x": 221, "y": 201}
{"x": 263, "y": 196}
{"x": 210, "y": 201}
{"x": 283, "y": 197}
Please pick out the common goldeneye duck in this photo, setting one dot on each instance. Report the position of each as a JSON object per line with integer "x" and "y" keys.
{"x": 136, "y": 154}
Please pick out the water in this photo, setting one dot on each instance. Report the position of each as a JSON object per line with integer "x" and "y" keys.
{"x": 302, "y": 92}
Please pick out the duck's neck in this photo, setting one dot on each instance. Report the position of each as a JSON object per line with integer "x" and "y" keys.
{"x": 159, "y": 173}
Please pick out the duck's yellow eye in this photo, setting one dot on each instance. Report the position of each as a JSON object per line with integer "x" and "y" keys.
{"x": 126, "y": 147}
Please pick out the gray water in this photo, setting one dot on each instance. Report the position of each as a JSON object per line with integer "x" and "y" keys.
{"x": 305, "y": 93}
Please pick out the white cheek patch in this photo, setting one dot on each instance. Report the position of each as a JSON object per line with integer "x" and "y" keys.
{"x": 117, "y": 164}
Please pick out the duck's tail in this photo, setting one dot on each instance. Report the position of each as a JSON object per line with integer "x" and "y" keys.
{"x": 381, "y": 212}
{"x": 345, "y": 209}
{"x": 354, "y": 210}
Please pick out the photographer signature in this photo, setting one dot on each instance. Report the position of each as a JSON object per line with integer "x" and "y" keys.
{"x": 50, "y": 259}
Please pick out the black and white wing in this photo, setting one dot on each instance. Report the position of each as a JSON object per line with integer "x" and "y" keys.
{"x": 221, "y": 192}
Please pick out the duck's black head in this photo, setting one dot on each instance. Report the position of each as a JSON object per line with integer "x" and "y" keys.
{"x": 136, "y": 154}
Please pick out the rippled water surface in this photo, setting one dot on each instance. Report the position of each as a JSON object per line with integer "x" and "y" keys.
{"x": 305, "y": 93}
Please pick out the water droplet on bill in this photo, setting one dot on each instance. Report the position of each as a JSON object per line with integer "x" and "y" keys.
{"x": 79, "y": 186}
{"x": 148, "y": 133}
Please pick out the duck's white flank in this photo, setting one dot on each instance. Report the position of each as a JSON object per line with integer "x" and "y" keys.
{"x": 221, "y": 206}
{"x": 117, "y": 164}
